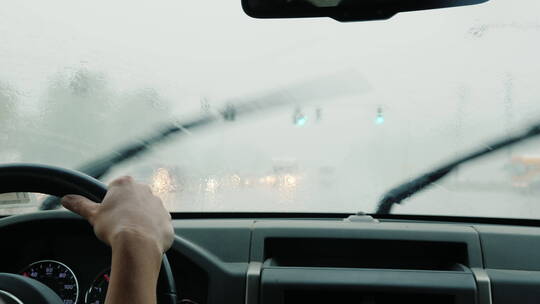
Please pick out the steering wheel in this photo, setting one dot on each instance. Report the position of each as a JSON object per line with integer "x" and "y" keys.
{"x": 58, "y": 182}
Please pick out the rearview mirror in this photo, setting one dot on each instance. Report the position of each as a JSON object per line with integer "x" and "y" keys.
{"x": 344, "y": 10}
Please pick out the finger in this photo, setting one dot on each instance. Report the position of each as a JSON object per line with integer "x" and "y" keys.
{"x": 80, "y": 205}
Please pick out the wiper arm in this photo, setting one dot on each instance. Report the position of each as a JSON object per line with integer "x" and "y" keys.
{"x": 408, "y": 189}
{"x": 99, "y": 167}
{"x": 331, "y": 86}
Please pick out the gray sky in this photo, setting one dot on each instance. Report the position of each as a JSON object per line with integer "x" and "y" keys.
{"x": 446, "y": 81}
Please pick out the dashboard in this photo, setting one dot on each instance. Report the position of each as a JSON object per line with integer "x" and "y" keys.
{"x": 296, "y": 260}
{"x": 65, "y": 256}
{"x": 61, "y": 251}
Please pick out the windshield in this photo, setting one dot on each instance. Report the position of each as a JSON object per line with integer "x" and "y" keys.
{"x": 79, "y": 79}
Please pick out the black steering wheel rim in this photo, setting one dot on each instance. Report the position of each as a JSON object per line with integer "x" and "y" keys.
{"x": 57, "y": 181}
{"x": 49, "y": 180}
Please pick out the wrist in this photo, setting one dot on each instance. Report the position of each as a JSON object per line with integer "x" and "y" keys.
{"x": 132, "y": 239}
{"x": 136, "y": 262}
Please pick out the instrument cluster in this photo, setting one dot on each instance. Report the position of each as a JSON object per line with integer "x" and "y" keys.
{"x": 62, "y": 280}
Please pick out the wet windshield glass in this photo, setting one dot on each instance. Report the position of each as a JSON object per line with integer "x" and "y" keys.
{"x": 78, "y": 79}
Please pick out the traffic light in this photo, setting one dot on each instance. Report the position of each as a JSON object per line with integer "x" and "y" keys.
{"x": 379, "y": 119}
{"x": 229, "y": 114}
{"x": 299, "y": 119}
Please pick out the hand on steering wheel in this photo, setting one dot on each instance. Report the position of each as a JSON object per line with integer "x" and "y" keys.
{"x": 131, "y": 220}
{"x": 128, "y": 208}
{"x": 136, "y": 225}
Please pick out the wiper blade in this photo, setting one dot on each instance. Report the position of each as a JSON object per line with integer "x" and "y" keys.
{"x": 408, "y": 189}
{"x": 101, "y": 166}
{"x": 327, "y": 87}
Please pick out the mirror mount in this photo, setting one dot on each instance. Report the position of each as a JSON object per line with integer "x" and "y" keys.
{"x": 344, "y": 10}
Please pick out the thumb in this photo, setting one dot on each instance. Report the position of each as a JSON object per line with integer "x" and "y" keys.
{"x": 80, "y": 205}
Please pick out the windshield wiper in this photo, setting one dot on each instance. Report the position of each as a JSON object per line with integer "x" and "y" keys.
{"x": 327, "y": 87}
{"x": 408, "y": 189}
{"x": 101, "y": 166}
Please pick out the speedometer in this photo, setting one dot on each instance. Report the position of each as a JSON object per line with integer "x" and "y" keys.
{"x": 57, "y": 277}
{"x": 98, "y": 290}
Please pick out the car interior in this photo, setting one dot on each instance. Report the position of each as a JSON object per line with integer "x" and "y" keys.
{"x": 284, "y": 258}
{"x": 53, "y": 256}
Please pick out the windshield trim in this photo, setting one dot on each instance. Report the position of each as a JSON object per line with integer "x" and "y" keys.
{"x": 334, "y": 216}
{"x": 458, "y": 219}
{"x": 339, "y": 216}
